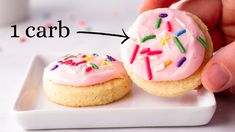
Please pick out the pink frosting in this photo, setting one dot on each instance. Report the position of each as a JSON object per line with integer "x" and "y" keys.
{"x": 160, "y": 70}
{"x": 70, "y": 71}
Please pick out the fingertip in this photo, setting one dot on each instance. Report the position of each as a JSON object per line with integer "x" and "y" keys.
{"x": 206, "y": 84}
{"x": 214, "y": 77}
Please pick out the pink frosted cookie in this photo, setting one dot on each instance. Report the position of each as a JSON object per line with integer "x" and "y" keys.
{"x": 167, "y": 51}
{"x": 85, "y": 80}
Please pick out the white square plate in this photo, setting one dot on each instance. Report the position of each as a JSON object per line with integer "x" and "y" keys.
{"x": 32, "y": 110}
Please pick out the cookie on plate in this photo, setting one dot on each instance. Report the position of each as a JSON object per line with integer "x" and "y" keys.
{"x": 85, "y": 80}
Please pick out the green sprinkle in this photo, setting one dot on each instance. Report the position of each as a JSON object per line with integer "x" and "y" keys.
{"x": 148, "y": 37}
{"x": 158, "y": 23}
{"x": 179, "y": 45}
{"x": 202, "y": 41}
{"x": 94, "y": 66}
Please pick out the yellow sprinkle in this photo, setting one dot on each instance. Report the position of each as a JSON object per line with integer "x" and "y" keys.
{"x": 167, "y": 63}
{"x": 88, "y": 58}
{"x": 105, "y": 63}
{"x": 166, "y": 38}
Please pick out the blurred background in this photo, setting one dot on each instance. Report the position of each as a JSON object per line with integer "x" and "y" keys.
{"x": 93, "y": 15}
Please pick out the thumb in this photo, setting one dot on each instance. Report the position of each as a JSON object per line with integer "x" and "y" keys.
{"x": 219, "y": 73}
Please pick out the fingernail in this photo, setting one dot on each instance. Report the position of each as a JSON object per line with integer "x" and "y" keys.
{"x": 217, "y": 76}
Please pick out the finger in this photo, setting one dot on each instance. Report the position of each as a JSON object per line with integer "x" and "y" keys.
{"x": 209, "y": 11}
{"x": 219, "y": 73}
{"x": 152, "y": 4}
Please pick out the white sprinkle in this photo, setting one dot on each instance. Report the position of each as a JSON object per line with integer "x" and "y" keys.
{"x": 153, "y": 57}
{"x": 167, "y": 45}
{"x": 83, "y": 70}
{"x": 141, "y": 47}
{"x": 103, "y": 56}
{"x": 141, "y": 57}
{"x": 70, "y": 70}
{"x": 163, "y": 33}
{"x": 159, "y": 67}
{"x": 180, "y": 22}
{"x": 89, "y": 64}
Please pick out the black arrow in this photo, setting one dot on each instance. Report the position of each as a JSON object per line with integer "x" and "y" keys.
{"x": 108, "y": 34}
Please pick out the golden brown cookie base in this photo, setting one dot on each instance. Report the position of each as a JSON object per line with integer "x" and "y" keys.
{"x": 98, "y": 94}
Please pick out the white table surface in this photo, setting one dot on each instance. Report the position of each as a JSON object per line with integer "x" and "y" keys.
{"x": 100, "y": 15}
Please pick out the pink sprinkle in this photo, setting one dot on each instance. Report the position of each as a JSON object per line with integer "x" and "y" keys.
{"x": 22, "y": 39}
{"x": 68, "y": 62}
{"x": 83, "y": 56}
{"x": 81, "y": 23}
{"x": 145, "y": 50}
{"x": 168, "y": 24}
{"x": 134, "y": 53}
{"x": 73, "y": 64}
{"x": 148, "y": 68}
{"x": 155, "y": 52}
{"x": 81, "y": 62}
{"x": 88, "y": 69}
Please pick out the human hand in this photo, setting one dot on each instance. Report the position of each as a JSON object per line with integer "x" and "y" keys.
{"x": 219, "y": 16}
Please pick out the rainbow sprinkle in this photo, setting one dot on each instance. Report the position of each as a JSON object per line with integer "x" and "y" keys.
{"x": 167, "y": 45}
{"x": 179, "y": 22}
{"x": 88, "y": 64}
{"x": 95, "y": 54}
{"x": 83, "y": 70}
{"x": 168, "y": 25}
{"x": 145, "y": 50}
{"x": 110, "y": 58}
{"x": 134, "y": 53}
{"x": 179, "y": 45}
{"x": 152, "y": 36}
{"x": 159, "y": 67}
{"x": 167, "y": 63}
{"x": 53, "y": 68}
{"x": 67, "y": 62}
{"x": 181, "y": 61}
{"x": 94, "y": 66}
{"x": 141, "y": 57}
{"x": 166, "y": 38}
{"x": 88, "y": 69}
{"x": 70, "y": 70}
{"x": 158, "y": 23}
{"x": 163, "y": 15}
{"x": 105, "y": 63}
{"x": 180, "y": 32}
{"x": 162, "y": 65}
{"x": 155, "y": 52}
{"x": 81, "y": 62}
{"x": 88, "y": 58}
{"x": 148, "y": 68}
{"x": 202, "y": 41}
